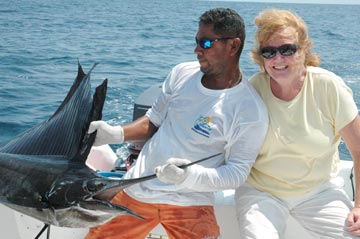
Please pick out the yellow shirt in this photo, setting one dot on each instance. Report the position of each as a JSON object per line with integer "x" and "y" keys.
{"x": 300, "y": 151}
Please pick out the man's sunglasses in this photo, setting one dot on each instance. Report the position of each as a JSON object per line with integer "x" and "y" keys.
{"x": 207, "y": 43}
{"x": 285, "y": 50}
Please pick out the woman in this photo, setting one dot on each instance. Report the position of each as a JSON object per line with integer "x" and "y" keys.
{"x": 310, "y": 110}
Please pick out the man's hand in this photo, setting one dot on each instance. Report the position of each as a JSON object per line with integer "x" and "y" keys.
{"x": 353, "y": 222}
{"x": 171, "y": 173}
{"x": 106, "y": 134}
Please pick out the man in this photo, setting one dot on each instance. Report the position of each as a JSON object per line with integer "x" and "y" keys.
{"x": 205, "y": 108}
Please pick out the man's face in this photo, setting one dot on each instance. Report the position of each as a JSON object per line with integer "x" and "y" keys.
{"x": 212, "y": 58}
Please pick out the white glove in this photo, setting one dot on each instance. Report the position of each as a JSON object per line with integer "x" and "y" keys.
{"x": 171, "y": 173}
{"x": 106, "y": 134}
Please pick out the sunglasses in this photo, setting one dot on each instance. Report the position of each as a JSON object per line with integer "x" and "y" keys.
{"x": 207, "y": 43}
{"x": 285, "y": 50}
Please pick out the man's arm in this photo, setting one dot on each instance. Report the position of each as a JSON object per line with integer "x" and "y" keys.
{"x": 139, "y": 130}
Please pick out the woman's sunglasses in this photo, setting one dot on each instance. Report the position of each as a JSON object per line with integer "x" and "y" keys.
{"x": 207, "y": 43}
{"x": 285, "y": 50}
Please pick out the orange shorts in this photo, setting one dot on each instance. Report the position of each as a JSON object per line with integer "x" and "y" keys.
{"x": 180, "y": 222}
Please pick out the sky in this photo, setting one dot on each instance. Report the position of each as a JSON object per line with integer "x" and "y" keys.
{"x": 306, "y": 1}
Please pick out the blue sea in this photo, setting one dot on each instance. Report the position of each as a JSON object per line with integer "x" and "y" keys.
{"x": 136, "y": 43}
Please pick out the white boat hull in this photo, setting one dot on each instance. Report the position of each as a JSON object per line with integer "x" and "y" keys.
{"x": 14, "y": 225}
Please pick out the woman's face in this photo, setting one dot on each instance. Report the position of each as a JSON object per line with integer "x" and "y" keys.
{"x": 289, "y": 65}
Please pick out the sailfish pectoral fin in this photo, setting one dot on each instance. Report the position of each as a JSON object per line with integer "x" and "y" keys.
{"x": 110, "y": 190}
{"x": 108, "y": 207}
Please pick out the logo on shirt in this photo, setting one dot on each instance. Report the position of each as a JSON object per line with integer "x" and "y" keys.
{"x": 203, "y": 126}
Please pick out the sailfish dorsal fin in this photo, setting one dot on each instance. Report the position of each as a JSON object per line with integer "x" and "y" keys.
{"x": 62, "y": 134}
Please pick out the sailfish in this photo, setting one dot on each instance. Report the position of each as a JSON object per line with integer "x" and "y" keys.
{"x": 43, "y": 172}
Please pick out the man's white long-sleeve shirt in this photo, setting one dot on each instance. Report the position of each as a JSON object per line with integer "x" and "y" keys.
{"x": 195, "y": 122}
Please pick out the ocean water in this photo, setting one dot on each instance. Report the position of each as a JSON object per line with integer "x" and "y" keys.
{"x": 136, "y": 43}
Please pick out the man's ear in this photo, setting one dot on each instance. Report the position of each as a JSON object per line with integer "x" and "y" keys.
{"x": 235, "y": 45}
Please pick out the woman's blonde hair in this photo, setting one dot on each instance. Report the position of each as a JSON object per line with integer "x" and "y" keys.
{"x": 270, "y": 21}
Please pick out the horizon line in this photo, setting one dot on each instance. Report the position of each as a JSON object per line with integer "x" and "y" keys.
{"x": 289, "y": 2}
